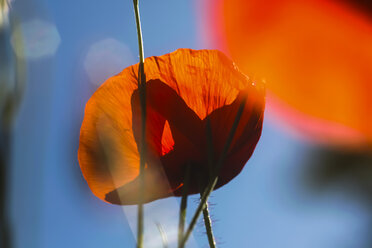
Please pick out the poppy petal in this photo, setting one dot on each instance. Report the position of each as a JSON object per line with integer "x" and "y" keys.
{"x": 163, "y": 102}
{"x": 316, "y": 56}
{"x": 247, "y": 133}
{"x": 108, "y": 154}
{"x": 182, "y": 89}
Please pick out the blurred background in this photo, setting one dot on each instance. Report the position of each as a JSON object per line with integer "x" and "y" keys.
{"x": 309, "y": 182}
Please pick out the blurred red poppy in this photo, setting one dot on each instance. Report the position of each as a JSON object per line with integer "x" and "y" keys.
{"x": 315, "y": 55}
{"x": 183, "y": 90}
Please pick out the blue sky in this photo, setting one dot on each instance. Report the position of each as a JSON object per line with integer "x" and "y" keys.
{"x": 266, "y": 206}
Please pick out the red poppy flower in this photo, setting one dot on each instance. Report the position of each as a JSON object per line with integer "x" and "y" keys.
{"x": 183, "y": 90}
{"x": 315, "y": 55}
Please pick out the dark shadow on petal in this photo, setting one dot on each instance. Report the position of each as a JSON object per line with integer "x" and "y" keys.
{"x": 163, "y": 103}
{"x": 190, "y": 141}
{"x": 364, "y": 6}
{"x": 246, "y": 137}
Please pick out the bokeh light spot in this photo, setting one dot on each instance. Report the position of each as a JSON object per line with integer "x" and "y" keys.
{"x": 106, "y": 58}
{"x": 39, "y": 39}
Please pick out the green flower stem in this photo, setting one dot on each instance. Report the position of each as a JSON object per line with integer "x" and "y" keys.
{"x": 5, "y": 228}
{"x": 208, "y": 226}
{"x": 142, "y": 150}
{"x": 8, "y": 112}
{"x": 207, "y": 219}
{"x": 208, "y": 190}
{"x": 139, "y": 31}
{"x": 206, "y": 216}
{"x": 183, "y": 207}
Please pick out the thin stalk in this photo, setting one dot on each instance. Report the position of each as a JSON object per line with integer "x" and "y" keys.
{"x": 208, "y": 226}
{"x": 142, "y": 150}
{"x": 183, "y": 207}
{"x": 8, "y": 112}
{"x": 5, "y": 230}
{"x": 206, "y": 216}
{"x": 139, "y": 31}
{"x": 208, "y": 190}
{"x": 198, "y": 211}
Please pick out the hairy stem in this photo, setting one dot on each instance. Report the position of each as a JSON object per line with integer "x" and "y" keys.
{"x": 208, "y": 227}
{"x": 183, "y": 207}
{"x": 208, "y": 190}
